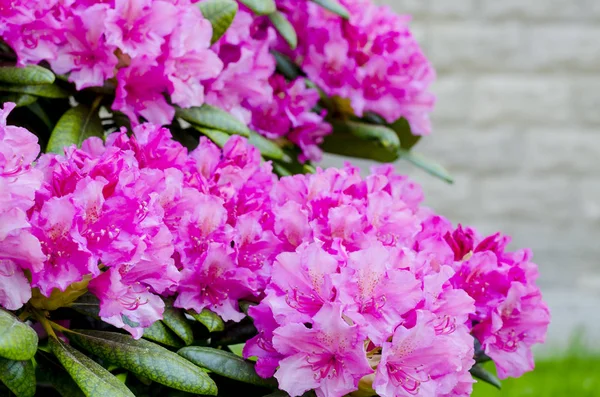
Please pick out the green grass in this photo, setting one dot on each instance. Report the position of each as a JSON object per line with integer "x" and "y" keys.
{"x": 574, "y": 374}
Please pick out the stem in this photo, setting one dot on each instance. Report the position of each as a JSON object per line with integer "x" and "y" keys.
{"x": 47, "y": 324}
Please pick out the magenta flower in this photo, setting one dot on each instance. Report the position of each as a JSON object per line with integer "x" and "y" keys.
{"x": 329, "y": 357}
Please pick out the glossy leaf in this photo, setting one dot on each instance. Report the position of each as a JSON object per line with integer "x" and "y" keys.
{"x": 145, "y": 359}
{"x": 333, "y": 6}
{"x": 362, "y": 140}
{"x": 225, "y": 364}
{"x": 219, "y": 138}
{"x": 160, "y": 333}
{"x": 285, "y": 28}
{"x": 220, "y": 14}
{"x": 427, "y": 165}
{"x": 55, "y": 375}
{"x": 407, "y": 139}
{"x": 267, "y": 147}
{"x": 484, "y": 375}
{"x": 88, "y": 305}
{"x": 18, "y": 376}
{"x": 18, "y": 341}
{"x": 214, "y": 118}
{"x": 176, "y": 321}
{"x": 18, "y": 99}
{"x": 90, "y": 376}
{"x": 30, "y": 75}
{"x": 260, "y": 7}
{"x": 75, "y": 126}
{"x": 210, "y": 320}
{"x": 46, "y": 91}
{"x": 286, "y": 66}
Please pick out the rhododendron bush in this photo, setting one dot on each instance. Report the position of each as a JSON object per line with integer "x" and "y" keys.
{"x": 164, "y": 229}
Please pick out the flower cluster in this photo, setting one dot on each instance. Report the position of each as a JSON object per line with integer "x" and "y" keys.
{"x": 358, "y": 287}
{"x": 150, "y": 47}
{"x": 372, "y": 59}
{"x": 19, "y": 249}
{"x": 141, "y": 218}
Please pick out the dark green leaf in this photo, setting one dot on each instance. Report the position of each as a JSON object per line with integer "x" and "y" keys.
{"x": 75, "y": 126}
{"x": 285, "y": 28}
{"x": 39, "y": 111}
{"x": 30, "y": 75}
{"x": 278, "y": 393}
{"x": 355, "y": 139}
{"x": 18, "y": 99}
{"x": 209, "y": 319}
{"x": 158, "y": 332}
{"x": 214, "y": 118}
{"x": 18, "y": 341}
{"x": 426, "y": 165}
{"x": 225, "y": 364}
{"x": 285, "y": 66}
{"x": 267, "y": 148}
{"x": 407, "y": 139}
{"x": 146, "y": 359}
{"x": 333, "y": 6}
{"x": 260, "y": 7}
{"x": 176, "y": 321}
{"x": 18, "y": 376}
{"x": 46, "y": 91}
{"x": 220, "y": 14}
{"x": 219, "y": 138}
{"x": 90, "y": 376}
{"x": 55, "y": 375}
{"x": 87, "y": 304}
{"x": 482, "y": 374}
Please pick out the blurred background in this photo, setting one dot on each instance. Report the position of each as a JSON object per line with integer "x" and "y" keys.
{"x": 517, "y": 123}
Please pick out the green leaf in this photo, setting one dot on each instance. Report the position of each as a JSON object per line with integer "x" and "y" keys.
{"x": 219, "y": 138}
{"x": 260, "y": 7}
{"x": 88, "y": 305}
{"x": 210, "y": 320}
{"x": 30, "y": 75}
{"x": 90, "y": 376}
{"x": 214, "y": 118}
{"x": 176, "y": 321}
{"x": 52, "y": 373}
{"x": 146, "y": 359}
{"x": 482, "y": 374}
{"x": 285, "y": 28}
{"x": 225, "y": 364}
{"x": 334, "y": 6}
{"x": 46, "y": 91}
{"x": 18, "y": 341}
{"x": 19, "y": 99}
{"x": 427, "y": 165}
{"x": 18, "y": 376}
{"x": 75, "y": 126}
{"x": 402, "y": 129}
{"x": 362, "y": 140}
{"x": 220, "y": 14}
{"x": 158, "y": 332}
{"x": 267, "y": 148}
{"x": 286, "y": 66}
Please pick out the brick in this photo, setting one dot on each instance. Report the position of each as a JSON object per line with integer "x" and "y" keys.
{"x": 521, "y": 100}
{"x": 589, "y": 190}
{"x": 536, "y": 9}
{"x": 467, "y": 47}
{"x": 565, "y": 47}
{"x": 454, "y": 101}
{"x": 412, "y": 7}
{"x": 461, "y": 9}
{"x": 547, "y": 200}
{"x": 586, "y": 94}
{"x": 565, "y": 151}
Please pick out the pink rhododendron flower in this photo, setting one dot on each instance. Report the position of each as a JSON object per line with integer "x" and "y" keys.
{"x": 372, "y": 59}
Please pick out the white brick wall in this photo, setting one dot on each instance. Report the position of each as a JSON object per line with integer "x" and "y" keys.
{"x": 518, "y": 125}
